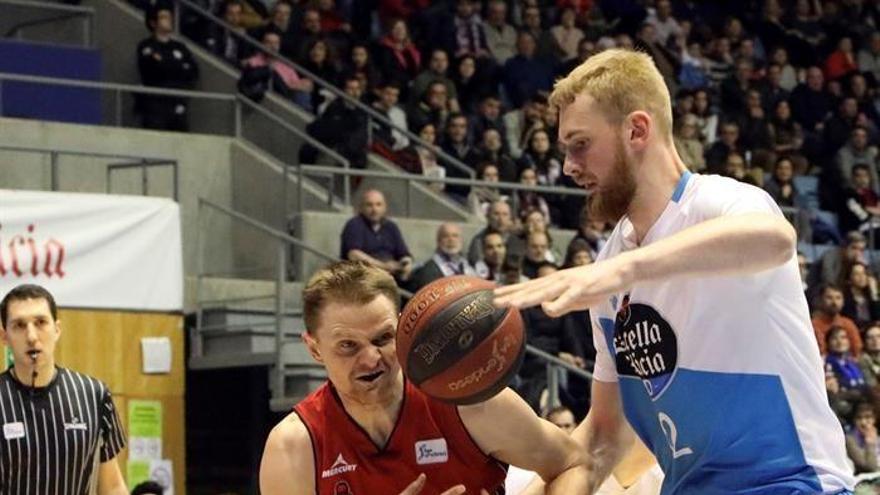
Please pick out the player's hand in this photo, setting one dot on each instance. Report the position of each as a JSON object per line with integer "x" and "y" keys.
{"x": 416, "y": 487}
{"x": 569, "y": 290}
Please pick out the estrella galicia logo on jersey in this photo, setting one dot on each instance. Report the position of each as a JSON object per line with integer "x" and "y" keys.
{"x": 645, "y": 346}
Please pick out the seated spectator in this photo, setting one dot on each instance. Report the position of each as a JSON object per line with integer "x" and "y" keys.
{"x": 361, "y": 67}
{"x": 386, "y": 104}
{"x": 869, "y": 58}
{"x": 545, "y": 46}
{"x": 374, "y": 238}
{"x": 501, "y": 221}
{"x": 294, "y": 42}
{"x": 859, "y": 205}
{"x": 562, "y": 416}
{"x": 422, "y": 159}
{"x": 830, "y": 268}
{"x": 470, "y": 86}
{"x": 788, "y": 78}
{"x": 320, "y": 62}
{"x": 398, "y": 57}
{"x": 433, "y": 108}
{"x": 490, "y": 267}
{"x": 264, "y": 71}
{"x": 861, "y": 296}
{"x": 842, "y": 61}
{"x": 465, "y": 36}
{"x": 734, "y": 90}
{"x": 839, "y": 362}
{"x": 540, "y": 156}
{"x": 521, "y": 122}
{"x": 786, "y": 133}
{"x": 481, "y": 198}
{"x": 828, "y": 315}
{"x": 456, "y": 144}
{"x": 862, "y": 445}
{"x": 716, "y": 155}
{"x": 446, "y": 261}
{"x": 780, "y": 185}
{"x": 735, "y": 168}
{"x": 491, "y": 150}
{"x": 688, "y": 144}
{"x": 225, "y": 43}
{"x": 667, "y": 61}
{"x": 593, "y": 232}
{"x": 810, "y": 103}
{"x": 864, "y": 96}
{"x": 757, "y": 136}
{"x": 500, "y": 36}
{"x": 567, "y": 35}
{"x": 838, "y": 128}
{"x": 512, "y": 271}
{"x": 526, "y": 74}
{"x": 694, "y": 67}
{"x": 579, "y": 253}
{"x": 707, "y": 118}
{"x": 526, "y": 201}
{"x": 537, "y": 253}
{"x": 437, "y": 71}
{"x": 342, "y": 127}
{"x": 164, "y": 63}
{"x": 857, "y": 151}
{"x": 487, "y": 116}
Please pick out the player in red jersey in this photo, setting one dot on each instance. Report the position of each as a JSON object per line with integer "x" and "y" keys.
{"x": 369, "y": 431}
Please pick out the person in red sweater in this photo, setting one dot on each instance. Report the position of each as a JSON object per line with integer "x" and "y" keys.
{"x": 842, "y": 61}
{"x": 828, "y": 315}
{"x": 370, "y": 430}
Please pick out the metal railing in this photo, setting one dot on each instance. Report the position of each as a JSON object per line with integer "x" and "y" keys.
{"x": 57, "y": 13}
{"x": 128, "y": 162}
{"x": 371, "y": 113}
{"x": 284, "y": 242}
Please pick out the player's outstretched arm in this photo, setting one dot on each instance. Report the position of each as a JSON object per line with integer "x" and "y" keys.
{"x": 287, "y": 467}
{"x": 110, "y": 481}
{"x": 508, "y": 430}
{"x": 726, "y": 245}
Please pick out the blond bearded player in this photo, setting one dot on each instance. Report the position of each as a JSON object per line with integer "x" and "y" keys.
{"x": 701, "y": 326}
{"x": 369, "y": 431}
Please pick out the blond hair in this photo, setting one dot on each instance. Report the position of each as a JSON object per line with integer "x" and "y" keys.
{"x": 621, "y": 81}
{"x": 346, "y": 282}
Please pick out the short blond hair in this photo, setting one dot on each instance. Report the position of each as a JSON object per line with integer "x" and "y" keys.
{"x": 347, "y": 282}
{"x": 621, "y": 81}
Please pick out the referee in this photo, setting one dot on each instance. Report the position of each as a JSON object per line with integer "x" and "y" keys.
{"x": 61, "y": 433}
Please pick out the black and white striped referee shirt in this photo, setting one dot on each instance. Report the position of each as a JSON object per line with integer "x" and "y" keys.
{"x": 55, "y": 437}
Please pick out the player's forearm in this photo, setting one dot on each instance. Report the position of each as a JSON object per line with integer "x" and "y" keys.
{"x": 739, "y": 244}
{"x": 572, "y": 480}
{"x": 605, "y": 446}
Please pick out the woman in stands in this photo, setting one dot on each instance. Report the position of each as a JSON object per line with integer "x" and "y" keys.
{"x": 398, "y": 57}
{"x": 844, "y": 379}
{"x": 861, "y": 296}
{"x": 869, "y": 359}
{"x": 862, "y": 444}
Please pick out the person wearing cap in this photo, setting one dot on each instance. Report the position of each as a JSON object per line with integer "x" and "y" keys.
{"x": 61, "y": 432}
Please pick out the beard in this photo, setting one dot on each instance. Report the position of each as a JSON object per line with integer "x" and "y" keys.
{"x": 612, "y": 202}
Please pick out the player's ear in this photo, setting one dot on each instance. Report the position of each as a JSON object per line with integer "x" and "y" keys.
{"x": 312, "y": 346}
{"x": 639, "y": 126}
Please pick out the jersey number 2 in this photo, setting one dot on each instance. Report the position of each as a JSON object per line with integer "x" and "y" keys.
{"x": 671, "y": 433}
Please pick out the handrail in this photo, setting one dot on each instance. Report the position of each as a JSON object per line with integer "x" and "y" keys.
{"x": 558, "y": 362}
{"x": 326, "y": 85}
{"x": 128, "y": 88}
{"x": 67, "y": 151}
{"x": 50, "y": 6}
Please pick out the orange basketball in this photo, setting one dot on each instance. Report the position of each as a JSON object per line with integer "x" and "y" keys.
{"x": 454, "y": 345}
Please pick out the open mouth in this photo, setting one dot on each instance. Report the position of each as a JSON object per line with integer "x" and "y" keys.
{"x": 372, "y": 377}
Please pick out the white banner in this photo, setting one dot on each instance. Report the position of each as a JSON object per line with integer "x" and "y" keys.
{"x": 93, "y": 250}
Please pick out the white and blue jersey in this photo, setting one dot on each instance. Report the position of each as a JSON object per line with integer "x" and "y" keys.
{"x": 721, "y": 376}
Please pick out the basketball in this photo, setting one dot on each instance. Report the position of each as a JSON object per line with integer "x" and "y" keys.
{"x": 454, "y": 345}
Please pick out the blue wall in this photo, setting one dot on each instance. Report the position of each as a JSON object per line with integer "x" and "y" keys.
{"x": 45, "y": 102}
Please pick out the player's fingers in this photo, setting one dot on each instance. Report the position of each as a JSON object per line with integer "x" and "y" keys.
{"x": 536, "y": 294}
{"x": 507, "y": 290}
{"x": 416, "y": 486}
{"x": 455, "y": 490}
{"x": 564, "y": 303}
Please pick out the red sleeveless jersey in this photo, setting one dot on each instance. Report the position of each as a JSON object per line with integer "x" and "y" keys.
{"x": 429, "y": 437}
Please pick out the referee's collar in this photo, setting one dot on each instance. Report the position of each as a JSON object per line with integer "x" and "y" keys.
{"x": 27, "y": 388}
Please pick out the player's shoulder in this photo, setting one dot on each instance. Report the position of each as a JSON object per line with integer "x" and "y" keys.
{"x": 85, "y": 383}
{"x": 291, "y": 434}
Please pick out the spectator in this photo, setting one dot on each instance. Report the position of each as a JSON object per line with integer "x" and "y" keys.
{"x": 386, "y": 104}
{"x": 469, "y": 86}
{"x": 465, "y": 35}
{"x": 526, "y": 74}
{"x": 869, "y": 58}
{"x": 842, "y": 61}
{"x": 164, "y": 63}
{"x": 490, "y": 150}
{"x": 717, "y": 154}
{"x": 862, "y": 445}
{"x": 433, "y": 108}
{"x": 735, "y": 168}
{"x": 667, "y": 61}
{"x": 398, "y": 57}
{"x": 227, "y": 43}
{"x": 579, "y": 253}
{"x": 563, "y": 418}
{"x": 772, "y": 91}
{"x": 522, "y": 121}
{"x": 734, "y": 90}
{"x": 593, "y": 232}
{"x": 786, "y": 133}
{"x": 869, "y": 360}
{"x": 342, "y": 127}
{"x": 490, "y": 267}
{"x": 758, "y": 135}
{"x": 831, "y": 266}
{"x": 788, "y": 78}
{"x": 457, "y": 145}
{"x": 694, "y": 67}
{"x": 265, "y": 71}
{"x": 512, "y": 271}
{"x": 446, "y": 261}
{"x": 810, "y": 103}
{"x": 862, "y": 298}
{"x": 545, "y": 46}
{"x": 859, "y": 206}
{"x": 436, "y": 72}
{"x": 720, "y": 61}
{"x": 857, "y": 151}
{"x": 688, "y": 144}
{"x": 148, "y": 488}
{"x": 422, "y": 159}
{"x": 858, "y": 89}
{"x": 481, "y": 198}
{"x": 526, "y": 201}
{"x": 374, "y": 238}
{"x": 781, "y": 187}
{"x": 320, "y": 62}
{"x": 828, "y": 316}
{"x": 707, "y": 119}
{"x": 294, "y": 44}
{"x": 541, "y": 157}
{"x": 851, "y": 387}
{"x": 805, "y": 23}
{"x": 839, "y": 126}
{"x": 665, "y": 25}
{"x": 537, "y": 253}
{"x": 567, "y": 35}
{"x": 500, "y": 221}
{"x": 500, "y": 36}
{"x": 360, "y": 66}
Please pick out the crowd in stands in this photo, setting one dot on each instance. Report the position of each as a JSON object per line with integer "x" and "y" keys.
{"x": 779, "y": 94}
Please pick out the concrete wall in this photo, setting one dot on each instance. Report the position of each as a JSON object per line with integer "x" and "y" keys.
{"x": 204, "y": 170}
